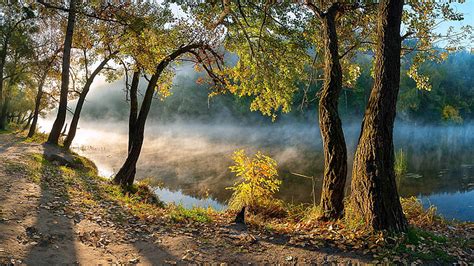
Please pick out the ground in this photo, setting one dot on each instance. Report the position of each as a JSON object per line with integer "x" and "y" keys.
{"x": 55, "y": 214}
{"x": 39, "y": 226}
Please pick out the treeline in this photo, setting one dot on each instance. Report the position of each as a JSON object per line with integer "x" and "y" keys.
{"x": 450, "y": 101}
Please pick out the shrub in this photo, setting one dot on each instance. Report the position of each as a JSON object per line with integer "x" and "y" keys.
{"x": 259, "y": 182}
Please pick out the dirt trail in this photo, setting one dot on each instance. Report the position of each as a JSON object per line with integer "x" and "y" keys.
{"x": 32, "y": 232}
{"x": 35, "y": 229}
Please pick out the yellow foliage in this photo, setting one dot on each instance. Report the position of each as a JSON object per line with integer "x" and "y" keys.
{"x": 450, "y": 113}
{"x": 258, "y": 184}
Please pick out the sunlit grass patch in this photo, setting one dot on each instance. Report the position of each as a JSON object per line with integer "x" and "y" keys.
{"x": 38, "y": 137}
{"x": 178, "y": 213}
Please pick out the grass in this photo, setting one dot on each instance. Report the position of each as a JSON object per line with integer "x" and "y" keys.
{"x": 424, "y": 245}
{"x": 178, "y": 213}
{"x": 401, "y": 164}
{"x": 38, "y": 137}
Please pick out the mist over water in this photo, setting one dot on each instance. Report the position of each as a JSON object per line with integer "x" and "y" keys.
{"x": 188, "y": 162}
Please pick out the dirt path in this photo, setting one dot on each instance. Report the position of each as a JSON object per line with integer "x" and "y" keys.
{"x": 40, "y": 226}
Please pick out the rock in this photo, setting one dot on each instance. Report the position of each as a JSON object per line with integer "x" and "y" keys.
{"x": 134, "y": 261}
{"x": 63, "y": 160}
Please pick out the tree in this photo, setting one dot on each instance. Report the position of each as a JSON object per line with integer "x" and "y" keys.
{"x": 58, "y": 124}
{"x": 45, "y": 62}
{"x": 334, "y": 145}
{"x": 374, "y": 195}
{"x": 274, "y": 56}
{"x": 13, "y": 18}
{"x": 96, "y": 41}
{"x": 374, "y": 191}
{"x": 146, "y": 42}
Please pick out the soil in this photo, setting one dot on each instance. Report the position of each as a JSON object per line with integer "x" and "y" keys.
{"x": 35, "y": 229}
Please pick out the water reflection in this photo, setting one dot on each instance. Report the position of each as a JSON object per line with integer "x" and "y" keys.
{"x": 191, "y": 161}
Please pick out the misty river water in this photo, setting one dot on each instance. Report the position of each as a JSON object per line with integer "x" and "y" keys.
{"x": 189, "y": 163}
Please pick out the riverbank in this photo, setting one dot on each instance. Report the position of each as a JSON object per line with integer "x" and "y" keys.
{"x": 54, "y": 214}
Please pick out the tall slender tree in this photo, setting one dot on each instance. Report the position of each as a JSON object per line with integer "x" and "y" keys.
{"x": 58, "y": 124}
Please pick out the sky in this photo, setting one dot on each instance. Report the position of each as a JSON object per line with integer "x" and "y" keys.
{"x": 467, "y": 8}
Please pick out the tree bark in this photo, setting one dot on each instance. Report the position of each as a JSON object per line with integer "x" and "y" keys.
{"x": 28, "y": 122}
{"x": 3, "y": 57}
{"x": 4, "y": 111}
{"x": 39, "y": 95}
{"x": 132, "y": 120}
{"x": 80, "y": 102}
{"x": 133, "y": 112}
{"x": 374, "y": 192}
{"x": 58, "y": 124}
{"x": 126, "y": 174}
{"x": 335, "y": 152}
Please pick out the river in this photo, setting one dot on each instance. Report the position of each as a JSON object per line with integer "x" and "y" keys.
{"x": 189, "y": 163}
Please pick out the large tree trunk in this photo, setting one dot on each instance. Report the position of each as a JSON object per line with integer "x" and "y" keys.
{"x": 374, "y": 192}
{"x": 80, "y": 103}
{"x": 335, "y": 153}
{"x": 126, "y": 174}
{"x": 58, "y": 124}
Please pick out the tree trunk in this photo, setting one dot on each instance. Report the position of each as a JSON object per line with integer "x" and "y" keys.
{"x": 28, "y": 122}
{"x": 133, "y": 111}
{"x": 58, "y": 124}
{"x": 80, "y": 103}
{"x": 335, "y": 153}
{"x": 75, "y": 119}
{"x": 4, "y": 111}
{"x": 374, "y": 192}
{"x": 132, "y": 120}
{"x": 3, "y": 57}
{"x": 126, "y": 174}
{"x": 39, "y": 95}
{"x": 19, "y": 117}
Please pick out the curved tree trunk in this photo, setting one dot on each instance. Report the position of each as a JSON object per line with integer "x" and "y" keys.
{"x": 335, "y": 153}
{"x": 374, "y": 192}
{"x": 126, "y": 174}
{"x": 28, "y": 122}
{"x": 80, "y": 103}
{"x": 58, "y": 124}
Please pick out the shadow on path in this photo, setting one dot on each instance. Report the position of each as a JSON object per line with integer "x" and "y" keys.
{"x": 53, "y": 230}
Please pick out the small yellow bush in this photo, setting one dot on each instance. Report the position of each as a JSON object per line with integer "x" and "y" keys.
{"x": 258, "y": 185}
